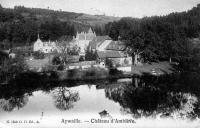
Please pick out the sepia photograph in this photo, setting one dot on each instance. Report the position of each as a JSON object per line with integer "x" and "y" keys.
{"x": 99, "y": 63}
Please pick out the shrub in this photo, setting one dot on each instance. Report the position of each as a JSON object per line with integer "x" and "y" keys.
{"x": 90, "y": 55}
{"x": 81, "y": 58}
{"x": 114, "y": 71}
{"x": 61, "y": 67}
{"x": 10, "y": 68}
{"x": 56, "y": 60}
{"x": 109, "y": 63}
{"x": 74, "y": 73}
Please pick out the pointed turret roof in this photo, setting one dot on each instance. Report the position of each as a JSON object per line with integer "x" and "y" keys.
{"x": 38, "y": 39}
{"x": 90, "y": 30}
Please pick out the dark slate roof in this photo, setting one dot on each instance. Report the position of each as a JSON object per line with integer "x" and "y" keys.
{"x": 116, "y": 45}
{"x": 98, "y": 40}
{"x": 110, "y": 54}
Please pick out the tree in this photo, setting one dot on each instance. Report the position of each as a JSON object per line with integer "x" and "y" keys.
{"x": 90, "y": 55}
{"x": 11, "y": 68}
{"x": 13, "y": 102}
{"x": 64, "y": 98}
{"x": 63, "y": 45}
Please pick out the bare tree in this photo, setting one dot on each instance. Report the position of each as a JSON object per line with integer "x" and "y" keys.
{"x": 63, "y": 45}
{"x": 64, "y": 98}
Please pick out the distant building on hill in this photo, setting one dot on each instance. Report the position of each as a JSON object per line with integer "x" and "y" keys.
{"x": 82, "y": 40}
{"x": 45, "y": 47}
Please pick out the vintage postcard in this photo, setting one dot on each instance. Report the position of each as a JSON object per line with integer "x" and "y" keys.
{"x": 99, "y": 63}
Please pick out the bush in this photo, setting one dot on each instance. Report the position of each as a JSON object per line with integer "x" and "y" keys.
{"x": 56, "y": 60}
{"x": 109, "y": 63}
{"x": 10, "y": 68}
{"x": 114, "y": 71}
{"x": 61, "y": 67}
{"x": 81, "y": 58}
{"x": 90, "y": 56}
{"x": 74, "y": 73}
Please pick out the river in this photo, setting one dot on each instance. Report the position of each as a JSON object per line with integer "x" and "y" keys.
{"x": 142, "y": 100}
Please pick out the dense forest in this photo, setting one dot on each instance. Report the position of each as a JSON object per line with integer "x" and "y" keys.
{"x": 20, "y": 26}
{"x": 160, "y": 37}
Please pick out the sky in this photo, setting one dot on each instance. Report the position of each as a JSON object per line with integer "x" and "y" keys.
{"x": 121, "y": 8}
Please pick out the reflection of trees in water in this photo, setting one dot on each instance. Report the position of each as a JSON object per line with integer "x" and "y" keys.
{"x": 64, "y": 98}
{"x": 13, "y": 102}
{"x": 145, "y": 100}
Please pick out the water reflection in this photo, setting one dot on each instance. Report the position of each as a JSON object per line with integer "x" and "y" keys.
{"x": 13, "y": 103}
{"x": 175, "y": 96}
{"x": 64, "y": 98}
{"x": 148, "y": 98}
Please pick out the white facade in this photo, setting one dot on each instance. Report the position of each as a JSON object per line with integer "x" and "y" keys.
{"x": 82, "y": 44}
{"x": 45, "y": 47}
{"x": 82, "y": 40}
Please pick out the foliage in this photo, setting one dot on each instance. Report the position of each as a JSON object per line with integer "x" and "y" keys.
{"x": 56, "y": 60}
{"x": 3, "y": 57}
{"x": 18, "y": 29}
{"x": 114, "y": 71}
{"x": 10, "y": 68}
{"x": 63, "y": 45}
{"x": 61, "y": 67}
{"x": 64, "y": 98}
{"x": 93, "y": 72}
{"x": 90, "y": 55}
{"x": 158, "y": 38}
{"x": 20, "y": 26}
{"x": 38, "y": 55}
{"x": 81, "y": 58}
{"x": 109, "y": 63}
{"x": 74, "y": 50}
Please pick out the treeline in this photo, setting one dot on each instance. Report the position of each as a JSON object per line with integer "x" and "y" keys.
{"x": 159, "y": 37}
{"x": 20, "y": 26}
{"x": 18, "y": 30}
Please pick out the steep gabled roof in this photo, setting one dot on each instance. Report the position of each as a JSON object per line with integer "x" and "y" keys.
{"x": 116, "y": 45}
{"x": 98, "y": 40}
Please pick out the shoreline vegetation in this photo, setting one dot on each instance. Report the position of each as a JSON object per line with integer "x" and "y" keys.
{"x": 93, "y": 73}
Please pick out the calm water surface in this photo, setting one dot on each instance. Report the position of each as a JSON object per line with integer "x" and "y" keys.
{"x": 170, "y": 97}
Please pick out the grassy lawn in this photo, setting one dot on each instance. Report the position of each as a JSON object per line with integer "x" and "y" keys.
{"x": 37, "y": 63}
{"x": 146, "y": 68}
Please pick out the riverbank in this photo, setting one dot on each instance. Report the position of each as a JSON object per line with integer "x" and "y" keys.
{"x": 163, "y": 67}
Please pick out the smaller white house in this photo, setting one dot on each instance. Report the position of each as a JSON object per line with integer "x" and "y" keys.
{"x": 45, "y": 47}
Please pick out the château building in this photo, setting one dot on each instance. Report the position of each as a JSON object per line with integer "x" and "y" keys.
{"x": 82, "y": 40}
